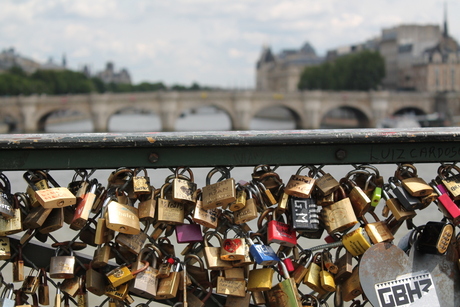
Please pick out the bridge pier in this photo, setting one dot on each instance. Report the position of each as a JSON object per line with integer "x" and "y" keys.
{"x": 168, "y": 107}
{"x": 311, "y": 105}
{"x": 100, "y": 111}
{"x": 28, "y": 111}
{"x": 242, "y": 105}
{"x": 379, "y": 106}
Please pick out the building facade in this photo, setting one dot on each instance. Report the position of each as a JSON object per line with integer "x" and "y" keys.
{"x": 282, "y": 72}
{"x": 109, "y": 75}
{"x": 417, "y": 58}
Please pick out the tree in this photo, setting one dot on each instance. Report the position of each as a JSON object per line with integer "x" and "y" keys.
{"x": 358, "y": 71}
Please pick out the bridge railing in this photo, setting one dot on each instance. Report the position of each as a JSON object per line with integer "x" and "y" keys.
{"x": 205, "y": 150}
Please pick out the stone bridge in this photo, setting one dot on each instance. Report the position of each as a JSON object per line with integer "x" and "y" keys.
{"x": 308, "y": 108}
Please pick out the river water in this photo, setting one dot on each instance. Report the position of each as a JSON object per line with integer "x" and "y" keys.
{"x": 210, "y": 121}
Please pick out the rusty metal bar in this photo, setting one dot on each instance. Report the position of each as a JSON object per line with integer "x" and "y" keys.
{"x": 236, "y": 148}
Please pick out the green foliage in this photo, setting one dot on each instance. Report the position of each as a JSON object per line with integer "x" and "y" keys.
{"x": 358, "y": 71}
{"x": 16, "y": 82}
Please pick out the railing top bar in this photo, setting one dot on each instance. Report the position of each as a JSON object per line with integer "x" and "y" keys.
{"x": 228, "y": 148}
{"x": 228, "y": 138}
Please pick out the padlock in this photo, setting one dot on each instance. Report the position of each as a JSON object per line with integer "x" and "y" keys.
{"x": 133, "y": 242}
{"x": 312, "y": 276}
{"x": 168, "y": 286}
{"x": 55, "y": 197}
{"x": 84, "y": 207}
{"x": 212, "y": 254}
{"x": 304, "y": 214}
{"x": 356, "y": 241}
{"x": 147, "y": 205}
{"x": 30, "y": 284}
{"x": 146, "y": 282}
{"x": 240, "y": 201}
{"x": 231, "y": 287}
{"x": 62, "y": 266}
{"x": 267, "y": 175}
{"x": 232, "y": 248}
{"x": 82, "y": 294}
{"x": 358, "y": 198}
{"x": 6, "y": 198}
{"x": 220, "y": 193}
{"x": 54, "y": 221}
{"x": 232, "y": 300}
{"x": 408, "y": 201}
{"x": 351, "y": 287}
{"x": 344, "y": 265}
{"x": 6, "y": 298}
{"x": 123, "y": 274}
{"x": 258, "y": 298}
{"x": 377, "y": 231}
{"x": 326, "y": 183}
{"x": 340, "y": 215}
{"x": 287, "y": 262}
{"x": 103, "y": 234}
{"x": 447, "y": 205}
{"x": 122, "y": 218}
{"x": 183, "y": 190}
{"x": 117, "y": 293}
{"x": 18, "y": 266}
{"x": 247, "y": 260}
{"x": 206, "y": 217}
{"x": 266, "y": 195}
{"x": 260, "y": 279}
{"x": 300, "y": 186}
{"x": 450, "y": 180}
{"x": 101, "y": 256}
{"x": 262, "y": 254}
{"x": 435, "y": 238}
{"x": 79, "y": 184}
{"x": 198, "y": 273}
{"x": 166, "y": 246}
{"x": 326, "y": 278}
{"x": 70, "y": 285}
{"x": 280, "y": 232}
{"x": 43, "y": 288}
{"x": 36, "y": 217}
{"x": 249, "y": 212}
{"x": 395, "y": 206}
{"x": 188, "y": 233}
{"x": 141, "y": 184}
{"x": 5, "y": 249}
{"x": 95, "y": 281}
{"x": 35, "y": 180}
{"x": 168, "y": 210}
{"x": 302, "y": 265}
{"x": 9, "y": 226}
{"x": 285, "y": 293}
{"x": 415, "y": 185}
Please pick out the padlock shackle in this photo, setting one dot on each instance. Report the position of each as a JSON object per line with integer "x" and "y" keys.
{"x": 188, "y": 169}
{"x": 223, "y": 170}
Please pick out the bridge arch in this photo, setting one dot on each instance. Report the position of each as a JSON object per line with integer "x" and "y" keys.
{"x": 199, "y": 116}
{"x": 45, "y": 114}
{"x": 278, "y": 111}
{"x": 409, "y": 111}
{"x": 134, "y": 118}
{"x": 346, "y": 116}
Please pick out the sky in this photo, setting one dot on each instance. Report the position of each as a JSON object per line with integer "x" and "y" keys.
{"x": 211, "y": 42}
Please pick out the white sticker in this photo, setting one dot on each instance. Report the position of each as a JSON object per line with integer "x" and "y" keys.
{"x": 413, "y": 289}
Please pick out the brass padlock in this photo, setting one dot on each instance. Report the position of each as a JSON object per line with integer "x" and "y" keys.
{"x": 416, "y": 186}
{"x": 206, "y": 217}
{"x": 95, "y": 281}
{"x": 183, "y": 190}
{"x": 377, "y": 231}
{"x": 325, "y": 183}
{"x": 312, "y": 277}
{"x": 340, "y": 215}
{"x": 168, "y": 286}
{"x": 101, "y": 255}
{"x": 147, "y": 205}
{"x": 62, "y": 266}
{"x": 302, "y": 265}
{"x": 300, "y": 186}
{"x": 123, "y": 274}
{"x": 233, "y": 249}
{"x": 260, "y": 279}
{"x": 359, "y": 200}
{"x": 249, "y": 212}
{"x": 169, "y": 211}
{"x": 5, "y": 250}
{"x": 35, "y": 180}
{"x": 240, "y": 201}
{"x": 344, "y": 265}
{"x": 199, "y": 274}
{"x": 133, "y": 242}
{"x": 146, "y": 282}
{"x": 326, "y": 278}
{"x": 43, "y": 288}
{"x": 118, "y": 293}
{"x": 12, "y": 225}
{"x": 221, "y": 193}
{"x": 18, "y": 266}
{"x": 122, "y": 218}
{"x": 141, "y": 184}
{"x": 212, "y": 254}
{"x": 351, "y": 287}
{"x": 231, "y": 287}
{"x": 54, "y": 221}
{"x": 30, "y": 284}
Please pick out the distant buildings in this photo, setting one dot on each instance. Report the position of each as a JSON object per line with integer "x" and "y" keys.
{"x": 9, "y": 58}
{"x": 417, "y": 58}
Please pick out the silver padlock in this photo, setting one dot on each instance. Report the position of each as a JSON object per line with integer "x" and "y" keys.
{"x": 6, "y": 298}
{"x": 62, "y": 266}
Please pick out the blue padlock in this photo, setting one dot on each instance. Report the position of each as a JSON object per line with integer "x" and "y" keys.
{"x": 262, "y": 254}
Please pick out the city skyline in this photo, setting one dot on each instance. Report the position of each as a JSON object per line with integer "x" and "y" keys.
{"x": 212, "y": 43}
